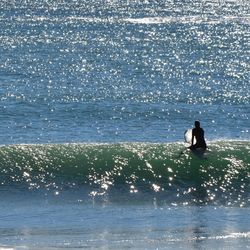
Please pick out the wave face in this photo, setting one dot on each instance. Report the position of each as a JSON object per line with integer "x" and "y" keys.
{"x": 168, "y": 171}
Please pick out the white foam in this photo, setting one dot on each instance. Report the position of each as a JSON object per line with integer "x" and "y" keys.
{"x": 195, "y": 19}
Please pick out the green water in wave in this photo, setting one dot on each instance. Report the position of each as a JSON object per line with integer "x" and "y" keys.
{"x": 223, "y": 170}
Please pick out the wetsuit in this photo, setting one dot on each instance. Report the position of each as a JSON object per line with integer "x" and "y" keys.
{"x": 198, "y": 134}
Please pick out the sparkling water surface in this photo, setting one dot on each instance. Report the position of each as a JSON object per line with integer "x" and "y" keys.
{"x": 122, "y": 71}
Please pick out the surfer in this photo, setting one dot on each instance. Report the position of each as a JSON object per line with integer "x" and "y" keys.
{"x": 198, "y": 134}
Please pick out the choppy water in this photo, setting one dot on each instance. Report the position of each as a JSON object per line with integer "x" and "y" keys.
{"x": 94, "y": 100}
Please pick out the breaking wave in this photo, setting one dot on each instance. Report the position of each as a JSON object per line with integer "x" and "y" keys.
{"x": 169, "y": 171}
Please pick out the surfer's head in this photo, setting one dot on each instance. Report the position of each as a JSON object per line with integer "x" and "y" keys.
{"x": 197, "y": 124}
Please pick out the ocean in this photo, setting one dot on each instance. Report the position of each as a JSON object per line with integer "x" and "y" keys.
{"x": 95, "y": 97}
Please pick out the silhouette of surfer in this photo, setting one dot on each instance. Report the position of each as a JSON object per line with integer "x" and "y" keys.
{"x": 198, "y": 134}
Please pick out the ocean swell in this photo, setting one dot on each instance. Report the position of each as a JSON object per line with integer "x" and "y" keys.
{"x": 169, "y": 171}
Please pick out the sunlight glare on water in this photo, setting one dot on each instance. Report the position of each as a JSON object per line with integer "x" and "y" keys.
{"x": 116, "y": 67}
{"x": 95, "y": 98}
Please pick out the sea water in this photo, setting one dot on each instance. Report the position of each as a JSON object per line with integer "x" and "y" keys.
{"x": 95, "y": 98}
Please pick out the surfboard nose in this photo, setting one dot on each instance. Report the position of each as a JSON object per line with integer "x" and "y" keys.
{"x": 188, "y": 136}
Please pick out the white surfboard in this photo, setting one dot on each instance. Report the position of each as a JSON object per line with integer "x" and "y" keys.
{"x": 188, "y": 136}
